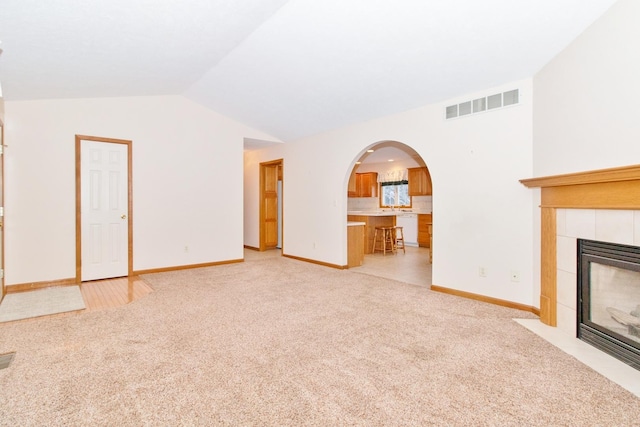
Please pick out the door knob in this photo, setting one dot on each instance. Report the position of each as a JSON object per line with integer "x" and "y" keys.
{"x": 123, "y": 216}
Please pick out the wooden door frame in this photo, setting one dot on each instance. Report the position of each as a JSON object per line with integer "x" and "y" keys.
{"x": 263, "y": 246}
{"x": 79, "y": 139}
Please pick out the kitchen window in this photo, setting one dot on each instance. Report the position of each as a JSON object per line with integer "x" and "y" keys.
{"x": 395, "y": 194}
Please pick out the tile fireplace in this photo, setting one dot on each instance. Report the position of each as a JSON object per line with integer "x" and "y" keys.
{"x": 601, "y": 205}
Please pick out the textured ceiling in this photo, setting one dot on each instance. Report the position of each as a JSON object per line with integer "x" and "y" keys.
{"x": 289, "y": 68}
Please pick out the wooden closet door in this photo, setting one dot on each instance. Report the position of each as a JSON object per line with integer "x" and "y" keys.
{"x": 270, "y": 206}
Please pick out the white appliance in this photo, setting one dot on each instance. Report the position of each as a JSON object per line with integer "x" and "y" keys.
{"x": 409, "y": 224}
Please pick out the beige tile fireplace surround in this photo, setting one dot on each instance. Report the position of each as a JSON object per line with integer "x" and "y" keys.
{"x": 597, "y": 205}
{"x": 606, "y": 225}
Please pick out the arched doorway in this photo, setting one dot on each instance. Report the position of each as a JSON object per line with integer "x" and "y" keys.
{"x": 390, "y": 181}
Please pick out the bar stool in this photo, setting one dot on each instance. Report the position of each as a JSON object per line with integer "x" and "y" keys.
{"x": 399, "y": 240}
{"x": 385, "y": 242}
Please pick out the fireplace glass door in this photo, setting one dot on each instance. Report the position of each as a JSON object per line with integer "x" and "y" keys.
{"x": 609, "y": 298}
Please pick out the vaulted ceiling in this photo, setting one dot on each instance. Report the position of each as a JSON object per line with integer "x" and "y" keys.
{"x": 289, "y": 68}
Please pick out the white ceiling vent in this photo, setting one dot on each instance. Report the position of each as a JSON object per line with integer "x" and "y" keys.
{"x": 491, "y": 102}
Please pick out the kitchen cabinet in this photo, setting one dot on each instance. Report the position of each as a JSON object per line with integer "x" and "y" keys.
{"x": 424, "y": 230}
{"x": 352, "y": 188}
{"x": 430, "y": 244}
{"x": 355, "y": 244}
{"x": 419, "y": 182}
{"x": 367, "y": 184}
{"x": 363, "y": 185}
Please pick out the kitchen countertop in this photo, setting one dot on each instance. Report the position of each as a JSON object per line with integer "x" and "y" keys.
{"x": 384, "y": 213}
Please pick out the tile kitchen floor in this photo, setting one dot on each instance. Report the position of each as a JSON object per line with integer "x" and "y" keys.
{"x": 410, "y": 267}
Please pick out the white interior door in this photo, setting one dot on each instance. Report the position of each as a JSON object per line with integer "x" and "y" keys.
{"x": 104, "y": 208}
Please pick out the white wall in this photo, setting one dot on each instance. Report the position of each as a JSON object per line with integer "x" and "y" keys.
{"x": 187, "y": 181}
{"x": 586, "y": 113}
{"x": 586, "y": 110}
{"x": 482, "y": 215}
{"x": 251, "y": 198}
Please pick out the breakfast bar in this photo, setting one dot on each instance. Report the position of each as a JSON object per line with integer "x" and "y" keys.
{"x": 372, "y": 220}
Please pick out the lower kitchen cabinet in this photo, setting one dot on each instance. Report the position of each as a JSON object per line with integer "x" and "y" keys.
{"x": 424, "y": 227}
{"x": 355, "y": 244}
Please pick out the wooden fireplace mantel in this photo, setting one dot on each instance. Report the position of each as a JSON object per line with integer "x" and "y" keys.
{"x": 613, "y": 188}
{"x": 625, "y": 173}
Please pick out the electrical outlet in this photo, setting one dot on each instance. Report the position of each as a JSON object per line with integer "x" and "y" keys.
{"x": 515, "y": 276}
{"x": 482, "y": 272}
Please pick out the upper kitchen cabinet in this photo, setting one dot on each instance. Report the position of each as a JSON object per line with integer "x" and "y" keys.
{"x": 363, "y": 185}
{"x": 367, "y": 184}
{"x": 419, "y": 182}
{"x": 351, "y": 189}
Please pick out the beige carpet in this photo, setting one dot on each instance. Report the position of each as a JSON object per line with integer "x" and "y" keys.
{"x": 41, "y": 302}
{"x": 282, "y": 342}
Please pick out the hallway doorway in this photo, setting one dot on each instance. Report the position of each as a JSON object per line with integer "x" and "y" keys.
{"x": 271, "y": 204}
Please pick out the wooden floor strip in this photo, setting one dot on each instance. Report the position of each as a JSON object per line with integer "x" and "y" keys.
{"x": 103, "y": 294}
{"x": 108, "y": 293}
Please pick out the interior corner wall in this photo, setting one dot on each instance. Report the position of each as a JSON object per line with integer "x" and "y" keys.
{"x": 251, "y": 198}
{"x": 482, "y": 215}
{"x": 586, "y": 98}
{"x": 187, "y": 182}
